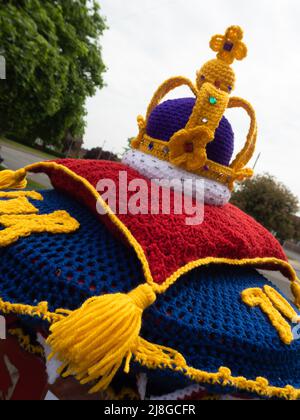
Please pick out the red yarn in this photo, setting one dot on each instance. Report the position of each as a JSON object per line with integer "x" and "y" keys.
{"x": 168, "y": 242}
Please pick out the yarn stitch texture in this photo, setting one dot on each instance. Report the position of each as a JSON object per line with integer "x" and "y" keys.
{"x": 93, "y": 341}
{"x": 202, "y": 316}
{"x": 166, "y": 246}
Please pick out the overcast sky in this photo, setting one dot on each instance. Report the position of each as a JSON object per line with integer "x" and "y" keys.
{"x": 152, "y": 40}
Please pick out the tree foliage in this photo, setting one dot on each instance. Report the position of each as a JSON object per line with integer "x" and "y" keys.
{"x": 98, "y": 153}
{"x": 53, "y": 59}
{"x": 270, "y": 203}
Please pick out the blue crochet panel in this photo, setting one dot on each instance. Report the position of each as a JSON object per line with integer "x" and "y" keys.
{"x": 202, "y": 315}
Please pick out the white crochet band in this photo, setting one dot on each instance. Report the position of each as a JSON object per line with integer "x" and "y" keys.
{"x": 215, "y": 193}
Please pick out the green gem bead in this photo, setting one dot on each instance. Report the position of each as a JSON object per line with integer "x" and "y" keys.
{"x": 213, "y": 100}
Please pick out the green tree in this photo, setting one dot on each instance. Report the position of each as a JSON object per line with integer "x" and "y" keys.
{"x": 54, "y": 63}
{"x": 270, "y": 203}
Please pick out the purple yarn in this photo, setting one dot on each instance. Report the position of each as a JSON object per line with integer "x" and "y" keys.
{"x": 221, "y": 149}
{"x": 173, "y": 115}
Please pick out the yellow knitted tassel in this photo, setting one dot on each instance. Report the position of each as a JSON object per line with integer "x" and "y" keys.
{"x": 94, "y": 341}
{"x": 295, "y": 287}
{"x": 13, "y": 180}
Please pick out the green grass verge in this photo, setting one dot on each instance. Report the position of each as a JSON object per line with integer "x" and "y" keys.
{"x": 27, "y": 149}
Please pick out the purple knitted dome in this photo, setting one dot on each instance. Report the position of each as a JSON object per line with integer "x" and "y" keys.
{"x": 173, "y": 115}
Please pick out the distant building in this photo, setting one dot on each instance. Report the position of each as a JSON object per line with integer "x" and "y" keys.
{"x": 39, "y": 142}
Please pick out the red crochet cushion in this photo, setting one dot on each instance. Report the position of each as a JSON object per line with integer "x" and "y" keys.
{"x": 168, "y": 242}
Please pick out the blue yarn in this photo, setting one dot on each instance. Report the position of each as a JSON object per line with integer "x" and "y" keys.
{"x": 204, "y": 318}
{"x": 202, "y": 315}
{"x": 54, "y": 266}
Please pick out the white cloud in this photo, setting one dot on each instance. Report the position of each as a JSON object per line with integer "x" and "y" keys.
{"x": 151, "y": 40}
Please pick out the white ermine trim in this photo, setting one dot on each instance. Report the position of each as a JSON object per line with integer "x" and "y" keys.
{"x": 215, "y": 193}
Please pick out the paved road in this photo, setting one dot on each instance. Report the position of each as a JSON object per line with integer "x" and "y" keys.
{"x": 279, "y": 280}
{"x": 15, "y": 159}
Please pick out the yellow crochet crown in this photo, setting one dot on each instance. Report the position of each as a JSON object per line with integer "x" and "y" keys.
{"x": 214, "y": 84}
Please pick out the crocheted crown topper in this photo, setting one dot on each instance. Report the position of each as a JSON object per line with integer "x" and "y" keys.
{"x": 202, "y": 146}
